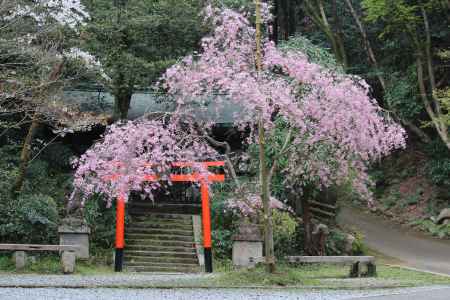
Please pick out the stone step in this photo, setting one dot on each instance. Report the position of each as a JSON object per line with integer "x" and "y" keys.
{"x": 155, "y": 216}
{"x": 156, "y": 242}
{"x": 144, "y": 260}
{"x": 182, "y": 224}
{"x": 149, "y": 220}
{"x": 158, "y": 231}
{"x": 163, "y": 237}
{"x": 159, "y": 242}
{"x": 161, "y": 225}
{"x": 183, "y": 249}
{"x": 159, "y": 254}
{"x": 163, "y": 269}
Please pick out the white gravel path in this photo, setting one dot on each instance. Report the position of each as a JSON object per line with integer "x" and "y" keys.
{"x": 107, "y": 280}
{"x": 191, "y": 294}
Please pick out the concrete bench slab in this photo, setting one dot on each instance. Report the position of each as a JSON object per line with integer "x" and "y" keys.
{"x": 36, "y": 247}
{"x": 68, "y": 256}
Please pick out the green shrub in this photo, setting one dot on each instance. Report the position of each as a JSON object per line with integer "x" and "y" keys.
{"x": 223, "y": 222}
{"x": 29, "y": 219}
{"x": 101, "y": 220}
{"x": 41, "y": 179}
{"x": 284, "y": 233}
{"x": 438, "y": 166}
{"x": 359, "y": 248}
{"x": 335, "y": 242}
{"x": 441, "y": 231}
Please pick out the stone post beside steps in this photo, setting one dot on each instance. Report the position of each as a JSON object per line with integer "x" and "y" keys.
{"x": 75, "y": 231}
{"x": 20, "y": 259}
{"x": 247, "y": 245}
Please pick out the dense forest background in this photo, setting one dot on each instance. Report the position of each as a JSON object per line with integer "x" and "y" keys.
{"x": 400, "y": 47}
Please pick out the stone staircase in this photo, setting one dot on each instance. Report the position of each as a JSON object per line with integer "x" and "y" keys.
{"x": 160, "y": 242}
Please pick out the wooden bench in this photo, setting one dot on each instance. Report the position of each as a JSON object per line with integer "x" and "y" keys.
{"x": 68, "y": 256}
{"x": 356, "y": 262}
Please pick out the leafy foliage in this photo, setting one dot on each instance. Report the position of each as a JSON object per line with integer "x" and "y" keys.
{"x": 223, "y": 220}
{"x": 100, "y": 218}
{"x": 315, "y": 54}
{"x": 29, "y": 219}
{"x": 401, "y": 94}
{"x": 284, "y": 233}
{"x": 441, "y": 231}
{"x": 438, "y": 166}
{"x": 136, "y": 40}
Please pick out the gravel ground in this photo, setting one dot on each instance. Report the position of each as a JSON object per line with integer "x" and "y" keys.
{"x": 189, "y": 294}
{"x": 108, "y": 280}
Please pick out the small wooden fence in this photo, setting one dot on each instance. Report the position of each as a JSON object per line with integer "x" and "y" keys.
{"x": 323, "y": 211}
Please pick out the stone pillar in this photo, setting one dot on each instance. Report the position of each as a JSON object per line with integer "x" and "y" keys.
{"x": 68, "y": 259}
{"x": 197, "y": 225}
{"x": 75, "y": 232}
{"x": 247, "y": 245}
{"x": 20, "y": 259}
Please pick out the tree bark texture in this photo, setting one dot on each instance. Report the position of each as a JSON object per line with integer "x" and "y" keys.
{"x": 263, "y": 173}
{"x": 316, "y": 10}
{"x": 307, "y": 226}
{"x": 122, "y": 101}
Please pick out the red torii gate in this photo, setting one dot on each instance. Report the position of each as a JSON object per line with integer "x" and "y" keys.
{"x": 206, "y": 217}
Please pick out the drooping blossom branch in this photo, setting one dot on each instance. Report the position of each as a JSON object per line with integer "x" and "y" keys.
{"x": 331, "y": 113}
{"x": 130, "y": 152}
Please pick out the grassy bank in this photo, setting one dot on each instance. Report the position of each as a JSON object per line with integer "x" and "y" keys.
{"x": 328, "y": 276}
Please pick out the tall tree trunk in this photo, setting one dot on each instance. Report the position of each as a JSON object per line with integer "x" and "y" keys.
{"x": 432, "y": 105}
{"x": 435, "y": 119}
{"x": 339, "y": 34}
{"x": 307, "y": 225}
{"x": 286, "y": 19}
{"x": 263, "y": 172}
{"x": 275, "y": 12}
{"x": 122, "y": 101}
{"x": 319, "y": 17}
{"x": 292, "y": 17}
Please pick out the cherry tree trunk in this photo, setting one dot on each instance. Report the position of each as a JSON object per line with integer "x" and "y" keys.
{"x": 307, "y": 225}
{"x": 263, "y": 172}
{"x": 122, "y": 103}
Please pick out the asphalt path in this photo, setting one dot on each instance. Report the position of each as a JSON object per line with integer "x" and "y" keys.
{"x": 412, "y": 249}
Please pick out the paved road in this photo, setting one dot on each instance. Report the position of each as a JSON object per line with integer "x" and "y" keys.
{"x": 197, "y": 294}
{"x": 413, "y": 249}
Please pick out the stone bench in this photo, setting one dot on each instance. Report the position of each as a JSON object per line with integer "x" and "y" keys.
{"x": 356, "y": 262}
{"x": 68, "y": 254}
